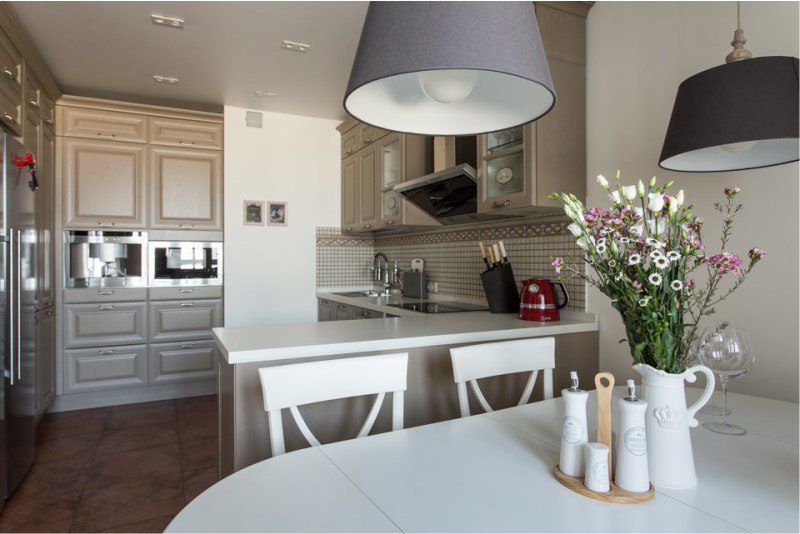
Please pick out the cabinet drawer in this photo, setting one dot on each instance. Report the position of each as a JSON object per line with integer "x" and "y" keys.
{"x": 33, "y": 93}
{"x": 350, "y": 142}
{"x": 11, "y": 112}
{"x": 104, "y": 294}
{"x": 369, "y": 134}
{"x": 48, "y": 111}
{"x": 105, "y": 368}
{"x": 10, "y": 66}
{"x": 100, "y": 124}
{"x": 97, "y": 325}
{"x": 186, "y": 133}
{"x": 182, "y": 362}
{"x": 192, "y": 292}
{"x": 182, "y": 320}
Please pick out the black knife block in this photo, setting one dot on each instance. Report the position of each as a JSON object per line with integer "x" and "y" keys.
{"x": 501, "y": 289}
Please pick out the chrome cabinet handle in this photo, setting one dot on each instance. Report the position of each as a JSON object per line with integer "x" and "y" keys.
{"x": 341, "y": 306}
{"x": 186, "y": 346}
{"x": 390, "y": 222}
{"x": 186, "y": 304}
{"x": 505, "y": 204}
{"x": 10, "y": 74}
{"x": 100, "y": 223}
{"x": 186, "y": 226}
{"x": 49, "y": 313}
{"x": 368, "y": 226}
{"x": 105, "y": 291}
{"x": 106, "y": 136}
{"x": 34, "y": 104}
{"x": 368, "y": 140}
{"x": 187, "y": 290}
{"x": 9, "y": 119}
{"x": 49, "y": 122}
{"x": 187, "y": 143}
{"x": 107, "y": 351}
{"x": 106, "y": 307}
{"x": 348, "y": 228}
{"x": 348, "y": 151}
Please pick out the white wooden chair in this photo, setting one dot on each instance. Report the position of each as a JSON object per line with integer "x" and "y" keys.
{"x": 290, "y": 386}
{"x": 492, "y": 359}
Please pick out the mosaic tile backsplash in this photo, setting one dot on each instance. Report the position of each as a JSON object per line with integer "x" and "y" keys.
{"x": 451, "y": 254}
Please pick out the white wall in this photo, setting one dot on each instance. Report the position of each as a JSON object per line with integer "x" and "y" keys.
{"x": 270, "y": 271}
{"x": 638, "y": 53}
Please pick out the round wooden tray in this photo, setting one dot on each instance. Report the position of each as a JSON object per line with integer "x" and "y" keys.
{"x": 616, "y": 495}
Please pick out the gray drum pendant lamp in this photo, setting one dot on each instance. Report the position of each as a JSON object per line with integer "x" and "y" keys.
{"x": 741, "y": 115}
{"x": 449, "y": 68}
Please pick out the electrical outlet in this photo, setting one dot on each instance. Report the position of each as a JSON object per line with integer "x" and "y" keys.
{"x": 433, "y": 287}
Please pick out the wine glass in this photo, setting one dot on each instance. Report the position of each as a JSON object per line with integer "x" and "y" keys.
{"x": 727, "y": 352}
{"x": 710, "y": 408}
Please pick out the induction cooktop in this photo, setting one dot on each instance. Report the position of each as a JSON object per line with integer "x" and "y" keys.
{"x": 439, "y": 307}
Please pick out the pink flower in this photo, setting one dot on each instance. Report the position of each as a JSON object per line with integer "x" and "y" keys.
{"x": 732, "y": 191}
{"x": 724, "y": 262}
{"x": 689, "y": 283}
{"x": 637, "y": 284}
{"x": 557, "y": 264}
{"x": 756, "y": 254}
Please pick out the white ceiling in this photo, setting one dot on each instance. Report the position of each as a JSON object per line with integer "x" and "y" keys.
{"x": 225, "y": 52}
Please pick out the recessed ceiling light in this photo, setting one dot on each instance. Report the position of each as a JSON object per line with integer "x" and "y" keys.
{"x": 296, "y": 47}
{"x": 172, "y": 22}
{"x": 165, "y": 79}
{"x": 265, "y": 93}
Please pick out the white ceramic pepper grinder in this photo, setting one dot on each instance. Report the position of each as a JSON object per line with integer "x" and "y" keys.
{"x": 573, "y": 431}
{"x": 632, "y": 474}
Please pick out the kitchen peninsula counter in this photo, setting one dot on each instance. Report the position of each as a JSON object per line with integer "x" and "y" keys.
{"x": 431, "y": 396}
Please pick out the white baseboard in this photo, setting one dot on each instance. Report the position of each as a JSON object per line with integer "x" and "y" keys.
{"x": 96, "y": 399}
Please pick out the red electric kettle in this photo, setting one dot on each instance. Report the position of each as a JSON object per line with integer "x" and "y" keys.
{"x": 539, "y": 301}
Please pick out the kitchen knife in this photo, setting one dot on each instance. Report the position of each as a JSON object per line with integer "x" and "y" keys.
{"x": 496, "y": 251}
{"x": 483, "y": 254}
{"x": 503, "y": 252}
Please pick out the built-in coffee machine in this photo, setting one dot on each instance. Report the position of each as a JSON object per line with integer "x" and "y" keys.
{"x": 99, "y": 258}
{"x": 181, "y": 263}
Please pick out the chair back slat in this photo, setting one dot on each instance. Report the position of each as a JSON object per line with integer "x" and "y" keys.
{"x": 290, "y": 386}
{"x": 493, "y": 359}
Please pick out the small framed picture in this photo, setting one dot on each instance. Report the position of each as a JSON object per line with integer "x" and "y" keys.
{"x": 277, "y": 213}
{"x": 254, "y": 212}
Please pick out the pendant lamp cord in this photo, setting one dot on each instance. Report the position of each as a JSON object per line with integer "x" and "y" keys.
{"x": 738, "y": 15}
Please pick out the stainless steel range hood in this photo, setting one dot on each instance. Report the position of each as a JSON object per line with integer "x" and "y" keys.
{"x": 450, "y": 193}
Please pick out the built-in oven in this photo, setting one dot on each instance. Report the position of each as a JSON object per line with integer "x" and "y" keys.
{"x": 175, "y": 263}
{"x": 99, "y": 258}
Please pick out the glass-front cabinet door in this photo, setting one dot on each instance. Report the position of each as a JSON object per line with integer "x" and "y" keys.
{"x": 390, "y": 160}
{"x": 506, "y": 168}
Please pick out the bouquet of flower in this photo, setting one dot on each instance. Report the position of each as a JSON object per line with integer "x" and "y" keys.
{"x": 643, "y": 251}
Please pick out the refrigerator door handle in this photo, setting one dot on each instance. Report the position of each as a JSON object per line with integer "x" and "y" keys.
{"x": 19, "y": 305}
{"x": 13, "y": 327}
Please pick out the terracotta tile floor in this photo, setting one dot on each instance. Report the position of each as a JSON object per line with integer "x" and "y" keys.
{"x": 127, "y": 468}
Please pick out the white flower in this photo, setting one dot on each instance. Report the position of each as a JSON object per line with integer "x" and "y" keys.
{"x": 618, "y": 277}
{"x": 629, "y": 192}
{"x": 601, "y": 247}
{"x": 614, "y": 195}
{"x": 676, "y": 285}
{"x": 638, "y": 211}
{"x": 601, "y": 241}
{"x": 640, "y": 189}
{"x": 602, "y": 181}
{"x": 679, "y": 198}
{"x": 673, "y": 255}
{"x": 655, "y": 279}
{"x": 673, "y": 205}
{"x": 654, "y": 243}
{"x": 634, "y": 259}
{"x": 656, "y": 254}
{"x": 575, "y": 229}
{"x": 656, "y": 203}
{"x": 624, "y": 240}
{"x": 662, "y": 262}
{"x": 582, "y": 243}
{"x": 643, "y": 301}
{"x": 569, "y": 211}
{"x": 612, "y": 263}
{"x": 606, "y": 231}
{"x": 637, "y": 229}
{"x": 657, "y": 226}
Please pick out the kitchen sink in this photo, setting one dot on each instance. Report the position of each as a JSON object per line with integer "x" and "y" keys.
{"x": 357, "y": 294}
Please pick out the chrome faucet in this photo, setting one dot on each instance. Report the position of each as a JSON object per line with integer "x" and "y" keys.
{"x": 388, "y": 277}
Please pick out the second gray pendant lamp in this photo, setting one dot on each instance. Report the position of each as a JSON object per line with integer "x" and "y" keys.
{"x": 449, "y": 68}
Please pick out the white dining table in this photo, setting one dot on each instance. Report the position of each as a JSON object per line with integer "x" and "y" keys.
{"x": 493, "y": 473}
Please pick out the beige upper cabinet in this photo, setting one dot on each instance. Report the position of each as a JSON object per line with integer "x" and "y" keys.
{"x": 10, "y": 84}
{"x": 186, "y": 188}
{"x": 102, "y": 124}
{"x": 185, "y": 133}
{"x": 369, "y": 190}
{"x": 350, "y": 206}
{"x": 104, "y": 184}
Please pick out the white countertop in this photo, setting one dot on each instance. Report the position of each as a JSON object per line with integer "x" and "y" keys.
{"x": 249, "y": 344}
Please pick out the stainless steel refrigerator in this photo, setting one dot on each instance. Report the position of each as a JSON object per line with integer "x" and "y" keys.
{"x": 17, "y": 316}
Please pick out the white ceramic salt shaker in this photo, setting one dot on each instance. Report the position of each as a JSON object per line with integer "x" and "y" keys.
{"x": 596, "y": 478}
{"x": 573, "y": 431}
{"x": 631, "y": 464}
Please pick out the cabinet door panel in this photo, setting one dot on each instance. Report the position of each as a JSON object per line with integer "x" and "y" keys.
{"x": 181, "y": 320}
{"x": 350, "y": 142}
{"x": 45, "y": 219}
{"x": 105, "y": 368}
{"x": 185, "y": 133}
{"x": 94, "y": 325}
{"x": 45, "y": 360}
{"x": 349, "y": 194}
{"x": 368, "y": 188}
{"x": 101, "y": 124}
{"x": 103, "y": 184}
{"x": 186, "y": 187}
{"x": 182, "y": 362}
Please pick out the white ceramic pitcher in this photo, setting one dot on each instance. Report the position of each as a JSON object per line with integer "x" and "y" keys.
{"x": 667, "y": 423}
